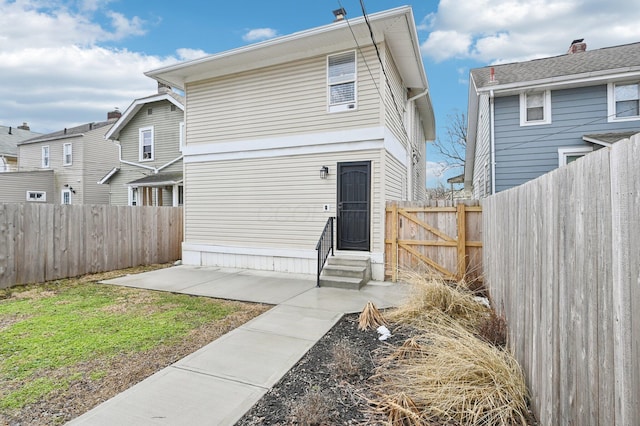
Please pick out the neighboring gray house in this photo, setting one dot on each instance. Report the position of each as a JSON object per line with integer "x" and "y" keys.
{"x": 9, "y": 139}
{"x": 528, "y": 118}
{"x": 149, "y": 139}
{"x": 78, "y": 156}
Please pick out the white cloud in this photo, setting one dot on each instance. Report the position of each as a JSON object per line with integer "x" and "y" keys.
{"x": 55, "y": 78}
{"x": 257, "y": 34}
{"x": 515, "y": 30}
{"x": 185, "y": 54}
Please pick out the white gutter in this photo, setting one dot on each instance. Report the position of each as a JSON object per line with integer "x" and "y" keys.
{"x": 426, "y": 92}
{"x": 493, "y": 142}
{"x": 408, "y": 126}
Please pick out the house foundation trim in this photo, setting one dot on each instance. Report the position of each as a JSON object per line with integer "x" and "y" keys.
{"x": 269, "y": 259}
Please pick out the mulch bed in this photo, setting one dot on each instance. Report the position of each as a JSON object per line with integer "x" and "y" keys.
{"x": 328, "y": 386}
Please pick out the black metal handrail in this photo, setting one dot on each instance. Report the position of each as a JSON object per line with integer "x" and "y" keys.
{"x": 324, "y": 246}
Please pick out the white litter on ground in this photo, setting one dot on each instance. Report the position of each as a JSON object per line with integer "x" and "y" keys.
{"x": 384, "y": 332}
{"x": 482, "y": 300}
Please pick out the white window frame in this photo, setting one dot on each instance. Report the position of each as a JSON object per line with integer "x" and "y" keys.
{"x": 133, "y": 197}
{"x": 546, "y": 108}
{"x": 66, "y": 146}
{"x": 181, "y": 135}
{"x": 46, "y": 157}
{"x": 141, "y": 133}
{"x": 37, "y": 196}
{"x": 563, "y": 153}
{"x": 349, "y": 105}
{"x": 611, "y": 102}
{"x": 64, "y": 193}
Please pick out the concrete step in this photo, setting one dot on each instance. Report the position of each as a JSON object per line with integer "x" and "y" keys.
{"x": 345, "y": 283}
{"x": 348, "y": 260}
{"x": 345, "y": 271}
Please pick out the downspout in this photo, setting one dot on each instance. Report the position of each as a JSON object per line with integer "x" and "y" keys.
{"x": 493, "y": 142}
{"x": 410, "y": 120}
{"x": 130, "y": 163}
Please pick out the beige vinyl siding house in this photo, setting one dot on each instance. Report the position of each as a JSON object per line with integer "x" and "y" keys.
{"x": 10, "y": 137}
{"x": 148, "y": 136}
{"x": 261, "y": 122}
{"x": 78, "y": 156}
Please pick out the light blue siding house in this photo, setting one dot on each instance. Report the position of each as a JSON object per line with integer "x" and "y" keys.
{"x": 528, "y": 118}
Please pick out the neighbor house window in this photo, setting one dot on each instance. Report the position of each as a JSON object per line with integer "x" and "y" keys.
{"x": 341, "y": 80}
{"x": 571, "y": 154}
{"x": 65, "y": 196}
{"x": 133, "y": 196}
{"x": 624, "y": 101}
{"x": 535, "y": 108}
{"x": 45, "y": 156}
{"x": 146, "y": 144}
{"x": 67, "y": 155}
{"x": 39, "y": 196}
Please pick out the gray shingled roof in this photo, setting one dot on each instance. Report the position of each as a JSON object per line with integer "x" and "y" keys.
{"x": 69, "y": 132}
{"x": 610, "y": 137}
{"x": 9, "y": 141}
{"x": 591, "y": 61}
{"x": 158, "y": 179}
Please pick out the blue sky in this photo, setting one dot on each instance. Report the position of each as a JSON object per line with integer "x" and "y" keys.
{"x": 67, "y": 62}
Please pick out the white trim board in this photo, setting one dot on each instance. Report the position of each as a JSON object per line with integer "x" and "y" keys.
{"x": 316, "y": 143}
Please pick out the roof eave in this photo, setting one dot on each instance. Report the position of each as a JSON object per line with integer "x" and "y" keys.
{"x": 563, "y": 81}
{"x": 279, "y": 50}
{"x": 132, "y": 110}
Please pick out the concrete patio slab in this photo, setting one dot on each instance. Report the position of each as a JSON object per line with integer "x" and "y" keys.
{"x": 350, "y": 301}
{"x": 174, "y": 279}
{"x": 247, "y": 356}
{"x": 176, "y": 397}
{"x": 253, "y": 288}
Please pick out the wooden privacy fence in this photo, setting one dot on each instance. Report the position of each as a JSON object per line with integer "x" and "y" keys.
{"x": 562, "y": 261}
{"x": 41, "y": 242}
{"x": 434, "y": 238}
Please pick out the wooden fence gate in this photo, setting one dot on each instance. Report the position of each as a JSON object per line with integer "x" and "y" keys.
{"x": 430, "y": 238}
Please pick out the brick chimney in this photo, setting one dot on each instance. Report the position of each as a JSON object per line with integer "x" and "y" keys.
{"x": 577, "y": 46}
{"x": 114, "y": 115}
{"x": 24, "y": 126}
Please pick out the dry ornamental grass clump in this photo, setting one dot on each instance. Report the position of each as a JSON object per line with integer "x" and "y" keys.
{"x": 431, "y": 295}
{"x": 452, "y": 367}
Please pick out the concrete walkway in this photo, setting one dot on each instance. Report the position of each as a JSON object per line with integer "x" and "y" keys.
{"x": 219, "y": 383}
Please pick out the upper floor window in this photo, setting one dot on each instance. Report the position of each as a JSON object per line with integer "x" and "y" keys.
{"x": 146, "y": 144}
{"x": 341, "y": 80}
{"x": 535, "y": 108}
{"x": 45, "y": 156}
{"x": 624, "y": 101}
{"x": 67, "y": 155}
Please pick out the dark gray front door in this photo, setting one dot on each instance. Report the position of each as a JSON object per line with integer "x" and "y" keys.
{"x": 354, "y": 205}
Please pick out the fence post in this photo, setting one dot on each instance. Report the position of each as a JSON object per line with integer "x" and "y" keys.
{"x": 462, "y": 241}
{"x": 394, "y": 242}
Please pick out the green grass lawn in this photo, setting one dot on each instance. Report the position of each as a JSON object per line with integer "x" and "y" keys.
{"x": 49, "y": 332}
